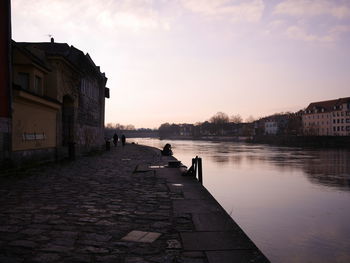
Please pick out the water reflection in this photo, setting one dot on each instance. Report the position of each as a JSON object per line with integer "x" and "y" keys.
{"x": 331, "y": 168}
{"x": 326, "y": 167}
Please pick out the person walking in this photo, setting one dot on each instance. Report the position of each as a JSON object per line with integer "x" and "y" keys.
{"x": 115, "y": 139}
{"x": 123, "y": 140}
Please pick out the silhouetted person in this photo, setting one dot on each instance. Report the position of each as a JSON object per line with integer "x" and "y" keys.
{"x": 167, "y": 150}
{"x": 115, "y": 139}
{"x": 123, "y": 140}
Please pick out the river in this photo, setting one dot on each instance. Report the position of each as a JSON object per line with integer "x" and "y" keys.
{"x": 293, "y": 203}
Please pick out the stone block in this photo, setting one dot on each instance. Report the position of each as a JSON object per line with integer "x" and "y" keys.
{"x": 215, "y": 241}
{"x": 141, "y": 236}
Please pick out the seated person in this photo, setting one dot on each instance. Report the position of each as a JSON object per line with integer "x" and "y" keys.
{"x": 167, "y": 150}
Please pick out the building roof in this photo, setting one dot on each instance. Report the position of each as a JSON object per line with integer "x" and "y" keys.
{"x": 37, "y": 56}
{"x": 76, "y": 57}
{"x": 327, "y": 105}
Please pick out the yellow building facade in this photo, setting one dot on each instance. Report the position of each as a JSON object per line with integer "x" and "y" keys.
{"x": 34, "y": 116}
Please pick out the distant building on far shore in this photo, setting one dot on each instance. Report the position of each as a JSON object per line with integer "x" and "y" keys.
{"x": 327, "y": 118}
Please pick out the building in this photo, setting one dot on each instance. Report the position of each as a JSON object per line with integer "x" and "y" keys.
{"x": 271, "y": 127}
{"x": 34, "y": 114}
{"x": 327, "y": 118}
{"x": 5, "y": 81}
{"x": 186, "y": 130}
{"x": 58, "y": 102}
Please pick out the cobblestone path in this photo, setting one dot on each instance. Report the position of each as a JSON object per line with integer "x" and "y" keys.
{"x": 80, "y": 211}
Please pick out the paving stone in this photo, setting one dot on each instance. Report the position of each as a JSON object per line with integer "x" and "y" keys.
{"x": 215, "y": 241}
{"x": 88, "y": 219}
{"x": 109, "y": 259}
{"x": 105, "y": 223}
{"x": 10, "y": 259}
{"x": 141, "y": 236}
{"x": 173, "y": 244}
{"x": 32, "y": 231}
{"x": 193, "y": 254}
{"x": 66, "y": 242}
{"x": 23, "y": 243}
{"x": 161, "y": 224}
{"x": 56, "y": 248}
{"x": 239, "y": 256}
{"x": 97, "y": 237}
{"x": 46, "y": 257}
{"x": 216, "y": 221}
{"x": 78, "y": 258}
{"x": 195, "y": 206}
{"x": 9, "y": 229}
{"x": 135, "y": 260}
{"x": 142, "y": 251}
{"x": 66, "y": 234}
{"x": 94, "y": 250}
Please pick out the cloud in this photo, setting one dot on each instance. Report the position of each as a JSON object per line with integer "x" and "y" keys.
{"x": 332, "y": 35}
{"x": 122, "y": 14}
{"x": 299, "y": 33}
{"x": 313, "y": 8}
{"x": 246, "y": 11}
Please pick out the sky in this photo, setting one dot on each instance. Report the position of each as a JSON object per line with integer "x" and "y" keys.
{"x": 181, "y": 61}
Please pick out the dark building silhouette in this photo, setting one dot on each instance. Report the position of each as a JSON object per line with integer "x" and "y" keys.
{"x": 5, "y": 80}
{"x": 58, "y": 102}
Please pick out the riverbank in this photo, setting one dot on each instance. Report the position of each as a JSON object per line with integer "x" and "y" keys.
{"x": 114, "y": 208}
{"x": 303, "y": 141}
{"x": 208, "y": 138}
{"x": 278, "y": 140}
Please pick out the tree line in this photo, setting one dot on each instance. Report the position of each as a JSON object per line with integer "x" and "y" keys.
{"x": 221, "y": 124}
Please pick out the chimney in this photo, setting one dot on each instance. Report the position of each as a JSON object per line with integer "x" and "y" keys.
{"x": 52, "y": 40}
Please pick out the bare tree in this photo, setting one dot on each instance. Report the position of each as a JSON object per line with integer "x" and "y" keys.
{"x": 110, "y": 125}
{"x": 219, "y": 121}
{"x": 220, "y": 118}
{"x": 130, "y": 127}
{"x": 236, "y": 118}
{"x": 249, "y": 119}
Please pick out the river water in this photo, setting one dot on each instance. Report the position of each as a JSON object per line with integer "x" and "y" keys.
{"x": 293, "y": 203}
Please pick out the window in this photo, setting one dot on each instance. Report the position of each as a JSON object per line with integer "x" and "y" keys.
{"x": 38, "y": 85}
{"x": 23, "y": 80}
{"x": 348, "y": 128}
{"x": 342, "y": 128}
{"x": 342, "y": 120}
{"x": 333, "y": 128}
{"x": 347, "y": 120}
{"x": 338, "y": 128}
{"x": 333, "y": 121}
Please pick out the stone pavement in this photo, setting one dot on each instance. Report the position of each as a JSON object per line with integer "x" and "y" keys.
{"x": 113, "y": 208}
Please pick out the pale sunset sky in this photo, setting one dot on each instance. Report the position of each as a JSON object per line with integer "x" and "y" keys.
{"x": 182, "y": 61}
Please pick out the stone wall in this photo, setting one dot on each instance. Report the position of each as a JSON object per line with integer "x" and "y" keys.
{"x": 88, "y": 137}
{"x": 32, "y": 157}
{"x": 4, "y": 141}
